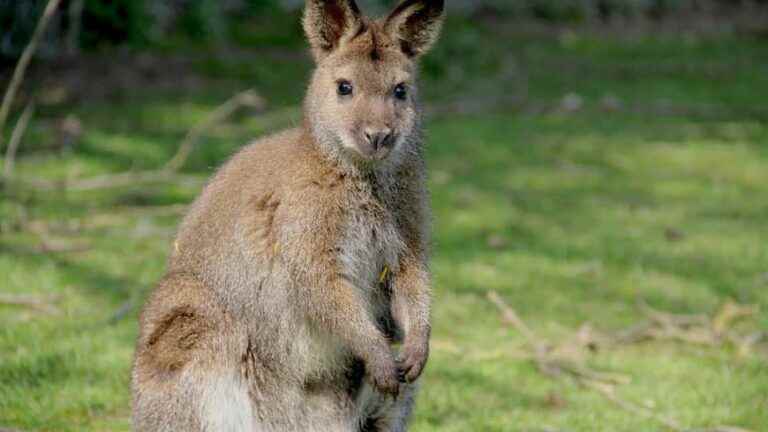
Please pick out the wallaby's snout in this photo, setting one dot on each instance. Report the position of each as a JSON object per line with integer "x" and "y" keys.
{"x": 378, "y": 140}
{"x": 375, "y": 128}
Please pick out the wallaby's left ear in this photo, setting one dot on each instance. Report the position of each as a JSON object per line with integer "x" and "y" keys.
{"x": 327, "y": 22}
{"x": 416, "y": 23}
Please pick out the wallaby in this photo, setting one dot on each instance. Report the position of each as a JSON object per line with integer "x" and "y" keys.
{"x": 305, "y": 259}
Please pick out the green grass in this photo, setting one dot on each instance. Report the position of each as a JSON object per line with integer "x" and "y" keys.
{"x": 579, "y": 202}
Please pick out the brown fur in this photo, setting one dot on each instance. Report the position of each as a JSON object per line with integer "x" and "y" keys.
{"x": 305, "y": 256}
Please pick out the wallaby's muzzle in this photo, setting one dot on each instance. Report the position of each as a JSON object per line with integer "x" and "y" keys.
{"x": 376, "y": 143}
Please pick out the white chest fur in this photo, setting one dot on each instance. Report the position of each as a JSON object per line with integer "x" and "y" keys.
{"x": 371, "y": 242}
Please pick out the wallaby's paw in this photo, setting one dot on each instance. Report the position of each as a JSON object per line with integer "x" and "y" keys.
{"x": 412, "y": 360}
{"x": 384, "y": 376}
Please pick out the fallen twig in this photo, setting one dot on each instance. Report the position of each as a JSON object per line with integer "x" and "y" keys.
{"x": 669, "y": 320}
{"x": 697, "y": 329}
{"x": 36, "y": 303}
{"x": 26, "y": 57}
{"x": 47, "y": 246}
{"x": 700, "y": 329}
{"x": 169, "y": 172}
{"x": 547, "y": 361}
{"x": 729, "y": 313}
{"x": 137, "y": 178}
{"x": 121, "y": 312}
{"x": 16, "y": 136}
{"x": 609, "y": 392}
{"x": 248, "y": 98}
{"x": 745, "y": 345}
{"x": 119, "y": 180}
{"x": 509, "y": 316}
{"x": 101, "y": 219}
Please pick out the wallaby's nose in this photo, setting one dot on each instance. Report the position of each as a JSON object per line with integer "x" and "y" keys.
{"x": 378, "y": 138}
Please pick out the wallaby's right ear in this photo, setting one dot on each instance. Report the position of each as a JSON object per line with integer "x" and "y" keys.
{"x": 326, "y": 22}
{"x": 417, "y": 24}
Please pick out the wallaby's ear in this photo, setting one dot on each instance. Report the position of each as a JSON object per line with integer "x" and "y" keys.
{"x": 416, "y": 24}
{"x": 326, "y": 22}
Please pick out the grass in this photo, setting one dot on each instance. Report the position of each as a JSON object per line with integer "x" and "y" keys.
{"x": 578, "y": 204}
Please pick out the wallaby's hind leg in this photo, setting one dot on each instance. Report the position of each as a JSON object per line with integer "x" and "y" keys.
{"x": 401, "y": 412}
{"x": 185, "y": 374}
{"x": 392, "y": 417}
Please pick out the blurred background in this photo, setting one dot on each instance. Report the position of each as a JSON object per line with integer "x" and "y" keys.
{"x": 599, "y": 176}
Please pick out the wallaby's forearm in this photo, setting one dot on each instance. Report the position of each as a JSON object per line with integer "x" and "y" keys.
{"x": 411, "y": 301}
{"x": 355, "y": 328}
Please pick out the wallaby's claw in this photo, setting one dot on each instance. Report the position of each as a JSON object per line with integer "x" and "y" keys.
{"x": 384, "y": 377}
{"x": 412, "y": 361}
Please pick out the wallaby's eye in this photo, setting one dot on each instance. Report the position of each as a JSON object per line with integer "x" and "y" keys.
{"x": 401, "y": 92}
{"x": 345, "y": 88}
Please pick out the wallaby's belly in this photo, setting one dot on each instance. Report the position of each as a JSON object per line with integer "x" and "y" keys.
{"x": 330, "y": 392}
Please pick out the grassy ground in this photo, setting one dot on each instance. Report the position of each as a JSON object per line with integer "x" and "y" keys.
{"x": 573, "y": 216}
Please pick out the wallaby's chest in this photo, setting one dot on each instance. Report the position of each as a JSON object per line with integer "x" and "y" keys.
{"x": 370, "y": 241}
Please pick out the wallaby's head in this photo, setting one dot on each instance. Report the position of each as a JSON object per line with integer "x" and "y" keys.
{"x": 361, "y": 104}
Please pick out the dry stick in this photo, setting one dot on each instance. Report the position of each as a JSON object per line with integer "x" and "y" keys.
{"x": 745, "y": 344}
{"x": 121, "y": 312}
{"x": 547, "y": 364}
{"x": 46, "y": 247}
{"x": 729, "y": 313}
{"x": 669, "y": 319}
{"x": 539, "y": 347}
{"x": 30, "y": 302}
{"x": 26, "y": 57}
{"x": 13, "y": 144}
{"x": 695, "y": 329}
{"x": 247, "y": 98}
{"x": 119, "y": 180}
{"x": 509, "y": 316}
{"x": 113, "y": 180}
{"x": 609, "y": 393}
{"x": 584, "y": 377}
